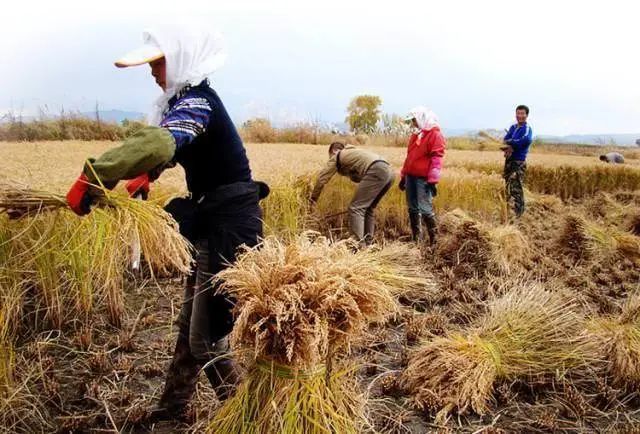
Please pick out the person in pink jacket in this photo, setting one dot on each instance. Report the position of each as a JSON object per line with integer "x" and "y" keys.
{"x": 421, "y": 171}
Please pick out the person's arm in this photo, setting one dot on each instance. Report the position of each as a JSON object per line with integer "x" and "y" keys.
{"x": 140, "y": 153}
{"x": 509, "y": 135}
{"x": 435, "y": 154}
{"x": 151, "y": 148}
{"x": 325, "y": 175}
{"x": 187, "y": 119}
{"x": 523, "y": 139}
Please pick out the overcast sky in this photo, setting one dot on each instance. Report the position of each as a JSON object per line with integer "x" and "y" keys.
{"x": 575, "y": 63}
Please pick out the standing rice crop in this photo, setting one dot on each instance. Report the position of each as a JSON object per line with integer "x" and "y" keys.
{"x": 529, "y": 333}
{"x": 300, "y": 307}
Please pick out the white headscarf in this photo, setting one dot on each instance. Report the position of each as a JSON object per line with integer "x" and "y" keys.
{"x": 426, "y": 119}
{"x": 191, "y": 53}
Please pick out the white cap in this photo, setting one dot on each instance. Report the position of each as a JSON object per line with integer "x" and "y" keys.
{"x": 141, "y": 55}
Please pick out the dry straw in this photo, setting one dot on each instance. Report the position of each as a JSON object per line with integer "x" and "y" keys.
{"x": 619, "y": 343}
{"x": 589, "y": 240}
{"x": 61, "y": 266}
{"x": 300, "y": 307}
{"x": 479, "y": 248}
{"x": 529, "y": 334}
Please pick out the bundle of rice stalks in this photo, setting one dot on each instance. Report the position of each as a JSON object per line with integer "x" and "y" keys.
{"x": 509, "y": 247}
{"x": 403, "y": 270}
{"x": 463, "y": 241}
{"x": 544, "y": 203}
{"x": 474, "y": 247}
{"x": 618, "y": 340}
{"x": 588, "y": 240}
{"x": 300, "y": 306}
{"x": 67, "y": 261}
{"x": 528, "y": 334}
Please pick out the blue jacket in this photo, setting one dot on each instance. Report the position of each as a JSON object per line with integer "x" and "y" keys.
{"x": 520, "y": 138}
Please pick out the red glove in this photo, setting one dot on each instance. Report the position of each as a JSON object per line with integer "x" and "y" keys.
{"x": 138, "y": 185}
{"x": 78, "y": 197}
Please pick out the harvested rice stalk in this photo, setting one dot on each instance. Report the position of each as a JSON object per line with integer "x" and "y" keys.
{"x": 403, "y": 270}
{"x": 276, "y": 399}
{"x": 529, "y": 333}
{"x": 509, "y": 247}
{"x": 300, "y": 306}
{"x": 585, "y": 239}
{"x": 295, "y": 301}
{"x": 478, "y": 248}
{"x": 619, "y": 343}
{"x": 463, "y": 241}
{"x": 163, "y": 247}
{"x": 69, "y": 264}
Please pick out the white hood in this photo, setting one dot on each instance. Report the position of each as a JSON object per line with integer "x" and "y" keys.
{"x": 192, "y": 54}
{"x": 426, "y": 119}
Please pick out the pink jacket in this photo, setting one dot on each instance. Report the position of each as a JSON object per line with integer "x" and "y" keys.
{"x": 424, "y": 155}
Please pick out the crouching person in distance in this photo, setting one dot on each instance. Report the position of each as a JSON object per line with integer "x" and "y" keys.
{"x": 374, "y": 177}
{"x": 222, "y": 213}
{"x": 421, "y": 171}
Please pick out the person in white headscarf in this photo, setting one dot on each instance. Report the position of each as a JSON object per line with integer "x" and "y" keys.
{"x": 191, "y": 127}
{"x": 421, "y": 170}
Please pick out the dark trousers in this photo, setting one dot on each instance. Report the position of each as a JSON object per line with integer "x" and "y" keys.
{"x": 514, "y": 174}
{"x": 206, "y": 317}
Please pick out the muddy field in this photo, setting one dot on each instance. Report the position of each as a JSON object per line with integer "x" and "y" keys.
{"x": 90, "y": 376}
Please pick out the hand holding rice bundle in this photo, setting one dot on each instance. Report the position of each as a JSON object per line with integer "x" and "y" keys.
{"x": 78, "y": 261}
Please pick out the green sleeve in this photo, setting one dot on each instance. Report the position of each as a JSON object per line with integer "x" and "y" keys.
{"x": 145, "y": 150}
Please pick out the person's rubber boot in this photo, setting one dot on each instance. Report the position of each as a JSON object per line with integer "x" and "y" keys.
{"x": 180, "y": 384}
{"x": 416, "y": 230}
{"x": 223, "y": 376}
{"x": 432, "y": 228}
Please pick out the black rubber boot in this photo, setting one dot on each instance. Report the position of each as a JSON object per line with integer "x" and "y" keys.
{"x": 432, "y": 228}
{"x": 180, "y": 383}
{"x": 416, "y": 229}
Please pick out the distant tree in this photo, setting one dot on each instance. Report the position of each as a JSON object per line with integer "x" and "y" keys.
{"x": 363, "y": 113}
{"x": 638, "y": 142}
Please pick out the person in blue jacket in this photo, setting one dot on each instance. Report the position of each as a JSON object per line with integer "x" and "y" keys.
{"x": 516, "y": 147}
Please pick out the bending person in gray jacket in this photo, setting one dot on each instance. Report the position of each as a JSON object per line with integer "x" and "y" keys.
{"x": 374, "y": 177}
{"x": 612, "y": 157}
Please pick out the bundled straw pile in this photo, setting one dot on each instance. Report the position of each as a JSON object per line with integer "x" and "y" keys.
{"x": 473, "y": 247}
{"x": 619, "y": 343}
{"x": 73, "y": 263}
{"x": 529, "y": 333}
{"x": 300, "y": 307}
{"x": 588, "y": 240}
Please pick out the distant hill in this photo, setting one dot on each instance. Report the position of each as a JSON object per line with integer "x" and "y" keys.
{"x": 596, "y": 139}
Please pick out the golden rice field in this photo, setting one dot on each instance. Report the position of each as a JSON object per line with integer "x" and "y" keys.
{"x": 525, "y": 326}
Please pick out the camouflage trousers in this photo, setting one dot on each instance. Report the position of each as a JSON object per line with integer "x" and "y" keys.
{"x": 514, "y": 172}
